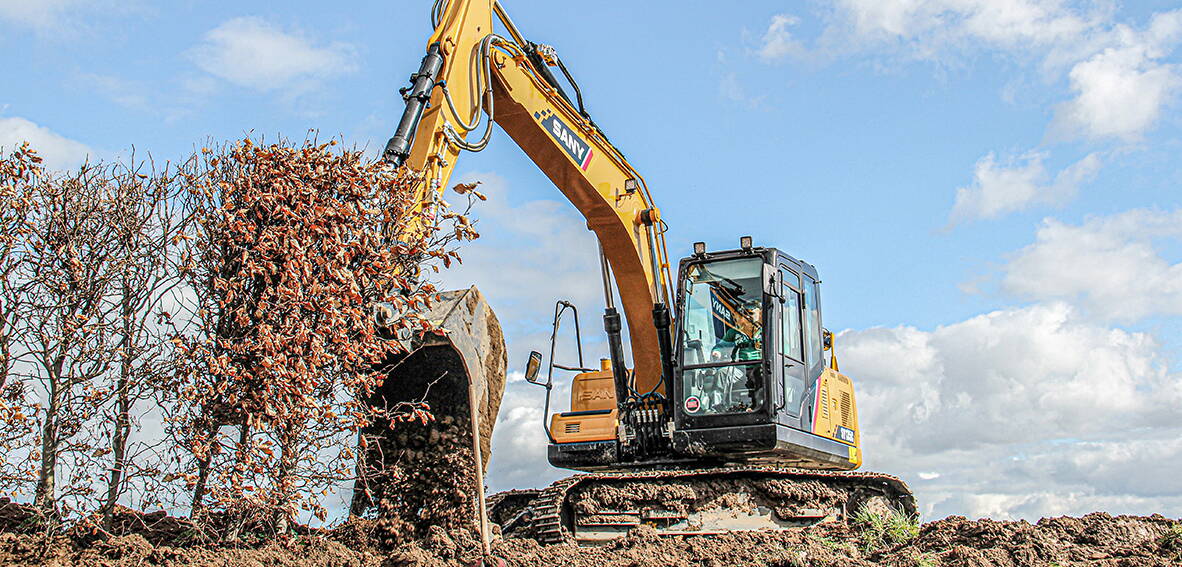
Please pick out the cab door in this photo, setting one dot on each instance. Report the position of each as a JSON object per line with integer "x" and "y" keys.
{"x": 791, "y": 352}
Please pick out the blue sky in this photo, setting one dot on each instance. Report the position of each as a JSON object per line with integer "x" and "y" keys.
{"x": 989, "y": 190}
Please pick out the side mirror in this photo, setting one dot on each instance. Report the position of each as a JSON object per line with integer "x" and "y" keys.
{"x": 533, "y": 366}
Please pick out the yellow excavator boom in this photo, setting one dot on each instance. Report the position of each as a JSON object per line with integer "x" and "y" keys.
{"x": 469, "y": 70}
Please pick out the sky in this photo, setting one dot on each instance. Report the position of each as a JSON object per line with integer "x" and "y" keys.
{"x": 988, "y": 188}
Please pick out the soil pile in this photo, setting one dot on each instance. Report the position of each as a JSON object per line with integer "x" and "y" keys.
{"x": 419, "y": 473}
{"x": 1095, "y": 540}
{"x": 19, "y": 518}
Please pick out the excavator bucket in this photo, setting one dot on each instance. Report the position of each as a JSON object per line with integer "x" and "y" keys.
{"x": 407, "y": 470}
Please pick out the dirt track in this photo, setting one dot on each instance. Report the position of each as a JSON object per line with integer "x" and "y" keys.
{"x": 1093, "y": 540}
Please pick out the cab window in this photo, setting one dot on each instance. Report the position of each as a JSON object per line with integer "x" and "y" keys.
{"x": 812, "y": 328}
{"x": 791, "y": 330}
{"x": 722, "y": 338}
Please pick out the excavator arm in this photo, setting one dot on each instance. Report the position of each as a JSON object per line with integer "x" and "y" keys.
{"x": 470, "y": 71}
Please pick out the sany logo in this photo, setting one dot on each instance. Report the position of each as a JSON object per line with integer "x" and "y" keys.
{"x": 578, "y": 150}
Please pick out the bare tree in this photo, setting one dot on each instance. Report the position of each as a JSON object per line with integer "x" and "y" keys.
{"x": 70, "y": 269}
{"x": 19, "y": 171}
{"x": 149, "y": 221}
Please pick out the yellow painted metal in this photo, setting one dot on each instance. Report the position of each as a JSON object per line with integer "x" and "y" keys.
{"x": 593, "y": 391}
{"x": 837, "y": 407}
{"x": 590, "y": 391}
{"x": 584, "y": 428}
{"x": 464, "y": 24}
{"x": 605, "y": 188}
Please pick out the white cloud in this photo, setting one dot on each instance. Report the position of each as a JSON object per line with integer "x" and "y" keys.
{"x": 1116, "y": 73}
{"x": 1107, "y": 264}
{"x": 1120, "y": 94}
{"x": 1120, "y": 82}
{"x": 519, "y": 442}
{"x": 38, "y": 14}
{"x": 124, "y": 92}
{"x": 1018, "y": 184}
{"x": 928, "y": 28}
{"x": 252, "y": 53}
{"x": 778, "y": 42}
{"x": 58, "y": 151}
{"x": 1021, "y": 412}
{"x": 65, "y": 19}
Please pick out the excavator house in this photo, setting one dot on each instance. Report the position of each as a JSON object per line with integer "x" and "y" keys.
{"x": 733, "y": 415}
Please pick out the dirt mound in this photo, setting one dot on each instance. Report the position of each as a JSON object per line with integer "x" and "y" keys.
{"x": 19, "y": 518}
{"x": 135, "y": 551}
{"x": 1095, "y": 540}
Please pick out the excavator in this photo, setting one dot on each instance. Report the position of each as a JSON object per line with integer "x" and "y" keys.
{"x": 732, "y": 416}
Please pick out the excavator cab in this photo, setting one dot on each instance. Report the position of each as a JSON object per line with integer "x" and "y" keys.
{"x": 751, "y": 372}
{"x": 748, "y": 379}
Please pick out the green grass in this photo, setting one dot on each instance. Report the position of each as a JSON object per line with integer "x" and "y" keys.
{"x": 832, "y": 544}
{"x": 926, "y": 560}
{"x": 883, "y": 529}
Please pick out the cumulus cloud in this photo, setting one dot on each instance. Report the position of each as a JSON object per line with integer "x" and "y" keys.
{"x": 1119, "y": 80}
{"x": 778, "y": 42}
{"x": 252, "y": 53}
{"x": 64, "y": 19}
{"x": 1108, "y": 264}
{"x": 731, "y": 89}
{"x": 58, "y": 151}
{"x": 1120, "y": 93}
{"x": 519, "y": 442}
{"x": 1022, "y": 412}
{"x": 929, "y": 28}
{"x": 1018, "y": 184}
{"x": 1116, "y": 71}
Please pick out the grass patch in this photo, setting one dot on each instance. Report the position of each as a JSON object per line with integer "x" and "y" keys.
{"x": 926, "y": 560}
{"x": 881, "y": 529}
{"x": 833, "y": 544}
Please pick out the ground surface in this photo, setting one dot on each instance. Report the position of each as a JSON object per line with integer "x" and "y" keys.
{"x": 1093, "y": 540}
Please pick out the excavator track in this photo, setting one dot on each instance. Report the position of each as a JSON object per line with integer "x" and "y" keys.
{"x": 594, "y": 508}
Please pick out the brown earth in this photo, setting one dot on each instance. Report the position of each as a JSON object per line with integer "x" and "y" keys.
{"x": 1095, "y": 540}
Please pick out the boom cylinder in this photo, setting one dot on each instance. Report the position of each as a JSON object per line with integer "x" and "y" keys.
{"x": 662, "y": 321}
{"x": 422, "y": 83}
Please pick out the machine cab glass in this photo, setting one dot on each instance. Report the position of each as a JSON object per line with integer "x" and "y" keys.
{"x": 722, "y": 337}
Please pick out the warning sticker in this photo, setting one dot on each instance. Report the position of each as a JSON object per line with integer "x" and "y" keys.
{"x": 693, "y": 404}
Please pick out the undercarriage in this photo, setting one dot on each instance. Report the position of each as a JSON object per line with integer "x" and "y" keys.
{"x": 593, "y": 508}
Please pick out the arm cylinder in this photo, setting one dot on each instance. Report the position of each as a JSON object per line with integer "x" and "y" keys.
{"x": 422, "y": 83}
